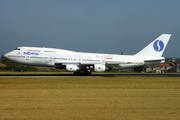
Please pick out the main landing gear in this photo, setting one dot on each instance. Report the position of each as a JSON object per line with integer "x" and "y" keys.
{"x": 83, "y": 73}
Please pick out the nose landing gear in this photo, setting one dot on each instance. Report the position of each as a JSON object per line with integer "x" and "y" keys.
{"x": 21, "y": 68}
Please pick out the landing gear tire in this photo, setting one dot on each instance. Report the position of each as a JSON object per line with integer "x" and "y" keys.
{"x": 82, "y": 73}
{"x": 77, "y": 73}
{"x": 86, "y": 73}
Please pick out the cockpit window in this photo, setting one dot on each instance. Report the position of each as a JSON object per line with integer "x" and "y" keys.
{"x": 17, "y": 48}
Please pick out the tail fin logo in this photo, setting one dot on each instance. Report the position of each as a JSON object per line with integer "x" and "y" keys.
{"x": 158, "y": 45}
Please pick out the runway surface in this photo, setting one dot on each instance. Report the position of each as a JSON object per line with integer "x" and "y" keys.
{"x": 94, "y": 75}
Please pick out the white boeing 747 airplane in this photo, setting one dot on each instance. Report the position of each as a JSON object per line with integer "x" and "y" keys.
{"x": 84, "y": 63}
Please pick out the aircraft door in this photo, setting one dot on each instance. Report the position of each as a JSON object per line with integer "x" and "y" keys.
{"x": 27, "y": 57}
{"x": 50, "y": 59}
{"x": 42, "y": 51}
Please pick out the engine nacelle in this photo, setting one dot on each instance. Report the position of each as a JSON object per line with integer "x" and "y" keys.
{"x": 99, "y": 67}
{"x": 72, "y": 68}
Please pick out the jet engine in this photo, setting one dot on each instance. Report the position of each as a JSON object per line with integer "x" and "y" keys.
{"x": 99, "y": 67}
{"x": 72, "y": 68}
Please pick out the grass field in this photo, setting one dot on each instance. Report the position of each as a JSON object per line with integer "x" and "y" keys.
{"x": 89, "y": 98}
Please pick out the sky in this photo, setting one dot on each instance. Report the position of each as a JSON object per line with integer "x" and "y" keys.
{"x": 99, "y": 26}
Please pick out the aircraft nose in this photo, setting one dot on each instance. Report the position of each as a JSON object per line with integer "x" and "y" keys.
{"x": 11, "y": 56}
{"x": 5, "y": 56}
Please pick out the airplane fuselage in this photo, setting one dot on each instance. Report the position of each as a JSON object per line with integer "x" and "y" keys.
{"x": 49, "y": 57}
{"x": 86, "y": 62}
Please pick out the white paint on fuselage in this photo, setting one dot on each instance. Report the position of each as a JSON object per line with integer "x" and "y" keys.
{"x": 75, "y": 61}
{"x": 49, "y": 56}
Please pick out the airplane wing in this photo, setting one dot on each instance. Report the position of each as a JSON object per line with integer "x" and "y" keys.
{"x": 84, "y": 65}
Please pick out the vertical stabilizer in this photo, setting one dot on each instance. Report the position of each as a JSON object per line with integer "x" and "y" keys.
{"x": 155, "y": 48}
